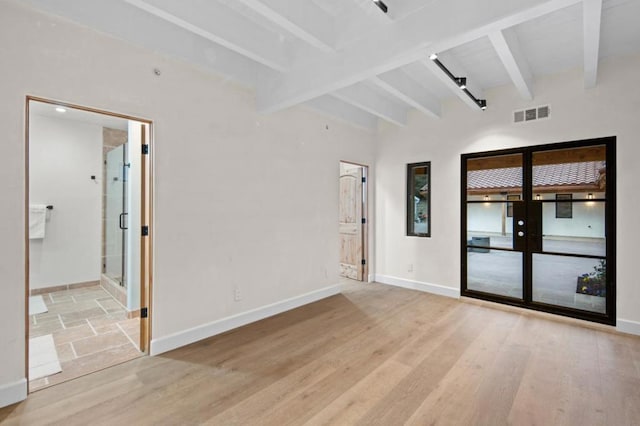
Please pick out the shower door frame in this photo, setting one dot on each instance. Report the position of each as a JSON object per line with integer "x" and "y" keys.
{"x": 146, "y": 213}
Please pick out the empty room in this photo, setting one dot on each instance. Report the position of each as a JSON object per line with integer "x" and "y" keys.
{"x": 270, "y": 212}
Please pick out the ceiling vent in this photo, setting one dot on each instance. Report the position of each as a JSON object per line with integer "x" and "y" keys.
{"x": 531, "y": 114}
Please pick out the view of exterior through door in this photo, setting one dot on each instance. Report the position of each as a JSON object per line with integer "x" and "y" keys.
{"x": 88, "y": 240}
{"x": 352, "y": 221}
{"x": 538, "y": 227}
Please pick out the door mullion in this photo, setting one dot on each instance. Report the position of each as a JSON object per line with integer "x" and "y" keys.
{"x": 527, "y": 195}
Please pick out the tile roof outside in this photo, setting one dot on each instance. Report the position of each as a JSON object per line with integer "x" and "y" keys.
{"x": 565, "y": 174}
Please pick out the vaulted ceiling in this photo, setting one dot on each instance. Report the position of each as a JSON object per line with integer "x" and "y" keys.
{"x": 349, "y": 59}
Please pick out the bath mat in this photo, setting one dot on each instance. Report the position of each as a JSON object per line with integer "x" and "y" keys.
{"x": 37, "y": 305}
{"x": 43, "y": 357}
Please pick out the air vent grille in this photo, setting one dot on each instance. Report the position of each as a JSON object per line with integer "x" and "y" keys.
{"x": 531, "y": 114}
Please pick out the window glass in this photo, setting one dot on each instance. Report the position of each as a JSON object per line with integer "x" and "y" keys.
{"x": 419, "y": 199}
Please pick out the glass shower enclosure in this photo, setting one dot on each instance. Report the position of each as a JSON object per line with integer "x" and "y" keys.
{"x": 115, "y": 215}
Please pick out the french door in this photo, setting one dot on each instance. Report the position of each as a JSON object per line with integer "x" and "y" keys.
{"x": 538, "y": 228}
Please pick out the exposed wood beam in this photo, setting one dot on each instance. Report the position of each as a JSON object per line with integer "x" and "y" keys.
{"x": 506, "y": 44}
{"x": 339, "y": 110}
{"x": 397, "y": 44}
{"x": 592, "y": 20}
{"x": 363, "y": 97}
{"x": 220, "y": 25}
{"x": 304, "y": 20}
{"x": 398, "y": 84}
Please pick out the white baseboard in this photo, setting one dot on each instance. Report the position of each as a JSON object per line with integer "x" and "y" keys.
{"x": 420, "y": 286}
{"x": 11, "y": 393}
{"x": 628, "y": 326}
{"x": 185, "y": 337}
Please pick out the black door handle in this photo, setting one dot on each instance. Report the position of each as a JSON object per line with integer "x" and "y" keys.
{"x": 121, "y": 220}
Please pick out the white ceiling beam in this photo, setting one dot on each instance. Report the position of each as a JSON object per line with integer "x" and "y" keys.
{"x": 363, "y": 97}
{"x": 398, "y": 84}
{"x": 339, "y": 110}
{"x": 397, "y": 44}
{"x": 304, "y": 20}
{"x": 398, "y": 9}
{"x": 592, "y": 20}
{"x": 221, "y": 26}
{"x": 450, "y": 84}
{"x": 506, "y": 44}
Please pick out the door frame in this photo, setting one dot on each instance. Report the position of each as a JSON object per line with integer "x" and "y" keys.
{"x": 609, "y": 317}
{"x": 365, "y": 214}
{"x": 146, "y": 208}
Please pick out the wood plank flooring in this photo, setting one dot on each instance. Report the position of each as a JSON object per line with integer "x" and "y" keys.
{"x": 375, "y": 355}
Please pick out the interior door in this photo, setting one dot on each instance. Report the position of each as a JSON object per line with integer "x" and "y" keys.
{"x": 539, "y": 228}
{"x": 351, "y": 236}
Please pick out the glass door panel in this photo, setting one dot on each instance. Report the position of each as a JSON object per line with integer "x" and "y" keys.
{"x": 583, "y": 232}
{"x": 569, "y": 270}
{"x": 573, "y": 282}
{"x": 490, "y": 225}
{"x": 115, "y": 215}
{"x": 493, "y": 259}
{"x": 495, "y": 271}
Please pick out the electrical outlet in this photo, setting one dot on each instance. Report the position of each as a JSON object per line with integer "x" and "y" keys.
{"x": 410, "y": 267}
{"x": 236, "y": 294}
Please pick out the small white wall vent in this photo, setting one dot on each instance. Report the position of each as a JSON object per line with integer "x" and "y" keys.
{"x": 531, "y": 114}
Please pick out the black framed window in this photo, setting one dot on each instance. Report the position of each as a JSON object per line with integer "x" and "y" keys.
{"x": 419, "y": 199}
{"x": 564, "y": 206}
{"x": 510, "y": 205}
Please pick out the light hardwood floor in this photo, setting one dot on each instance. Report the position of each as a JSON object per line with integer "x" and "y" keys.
{"x": 375, "y": 355}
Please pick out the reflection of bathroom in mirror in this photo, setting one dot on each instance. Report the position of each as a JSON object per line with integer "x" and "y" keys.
{"x": 84, "y": 264}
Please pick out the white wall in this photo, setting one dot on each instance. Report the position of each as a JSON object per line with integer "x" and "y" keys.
{"x": 63, "y": 155}
{"x": 212, "y": 152}
{"x": 587, "y": 220}
{"x": 610, "y": 109}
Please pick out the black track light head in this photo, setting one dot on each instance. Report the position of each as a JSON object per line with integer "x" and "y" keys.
{"x": 381, "y": 5}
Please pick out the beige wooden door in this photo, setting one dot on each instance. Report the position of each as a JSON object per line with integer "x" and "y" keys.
{"x": 351, "y": 223}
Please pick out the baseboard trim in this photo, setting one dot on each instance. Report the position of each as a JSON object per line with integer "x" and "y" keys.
{"x": 628, "y": 326}
{"x": 11, "y": 393}
{"x": 52, "y": 289}
{"x": 418, "y": 285}
{"x": 183, "y": 338}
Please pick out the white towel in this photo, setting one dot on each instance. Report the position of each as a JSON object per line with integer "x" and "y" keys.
{"x": 37, "y": 220}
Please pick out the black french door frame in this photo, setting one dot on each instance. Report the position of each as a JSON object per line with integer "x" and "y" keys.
{"x": 529, "y": 209}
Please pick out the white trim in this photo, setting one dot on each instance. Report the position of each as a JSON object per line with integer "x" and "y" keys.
{"x": 11, "y": 393}
{"x": 191, "y": 335}
{"x": 628, "y": 326}
{"x": 420, "y": 286}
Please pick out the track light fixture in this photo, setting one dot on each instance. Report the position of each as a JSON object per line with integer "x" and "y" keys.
{"x": 461, "y": 82}
{"x": 381, "y": 5}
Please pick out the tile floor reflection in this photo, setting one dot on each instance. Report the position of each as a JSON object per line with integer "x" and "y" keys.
{"x": 90, "y": 329}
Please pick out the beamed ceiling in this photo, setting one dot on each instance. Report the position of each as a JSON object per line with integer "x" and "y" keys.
{"x": 348, "y": 59}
